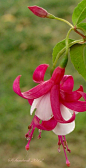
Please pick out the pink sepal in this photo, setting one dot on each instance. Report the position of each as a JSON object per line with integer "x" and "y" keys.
{"x": 57, "y": 75}
{"x": 47, "y": 125}
{"x": 30, "y": 101}
{"x": 38, "y": 90}
{"x": 33, "y": 93}
{"x": 16, "y": 89}
{"x": 55, "y": 105}
{"x": 78, "y": 106}
{"x": 38, "y": 75}
{"x": 67, "y": 83}
{"x": 16, "y": 86}
{"x": 82, "y": 94}
{"x": 71, "y": 96}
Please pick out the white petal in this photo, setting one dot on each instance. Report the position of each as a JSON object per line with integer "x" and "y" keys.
{"x": 44, "y": 111}
{"x": 72, "y": 111}
{"x": 34, "y": 104}
{"x": 63, "y": 129}
{"x": 76, "y": 112}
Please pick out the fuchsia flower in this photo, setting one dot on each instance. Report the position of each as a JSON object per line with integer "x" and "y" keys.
{"x": 54, "y": 103}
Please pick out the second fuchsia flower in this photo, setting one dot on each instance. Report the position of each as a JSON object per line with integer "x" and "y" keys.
{"x": 54, "y": 103}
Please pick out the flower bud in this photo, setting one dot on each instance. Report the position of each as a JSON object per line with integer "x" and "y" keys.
{"x": 40, "y": 12}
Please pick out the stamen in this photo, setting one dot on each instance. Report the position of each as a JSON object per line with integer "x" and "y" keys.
{"x": 64, "y": 144}
{"x": 39, "y": 136}
{"x": 63, "y": 141}
{"x": 59, "y": 143}
{"x": 31, "y": 128}
{"x": 59, "y": 150}
{"x": 59, "y": 140}
{"x": 67, "y": 145}
{"x": 30, "y": 137}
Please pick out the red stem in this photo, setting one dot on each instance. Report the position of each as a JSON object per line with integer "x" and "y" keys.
{"x": 79, "y": 33}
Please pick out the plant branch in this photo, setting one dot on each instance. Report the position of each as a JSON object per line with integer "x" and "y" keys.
{"x": 67, "y": 38}
{"x": 64, "y": 49}
{"x": 63, "y": 20}
{"x": 75, "y": 29}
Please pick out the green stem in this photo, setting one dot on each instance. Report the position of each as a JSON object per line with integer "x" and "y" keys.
{"x": 64, "y": 49}
{"x": 67, "y": 38}
{"x": 63, "y": 20}
{"x": 65, "y": 58}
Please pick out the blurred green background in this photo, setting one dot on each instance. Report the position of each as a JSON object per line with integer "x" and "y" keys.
{"x": 25, "y": 42}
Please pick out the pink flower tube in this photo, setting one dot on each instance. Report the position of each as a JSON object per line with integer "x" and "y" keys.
{"x": 54, "y": 103}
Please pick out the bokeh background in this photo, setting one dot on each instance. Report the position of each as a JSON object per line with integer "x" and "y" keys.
{"x": 25, "y": 42}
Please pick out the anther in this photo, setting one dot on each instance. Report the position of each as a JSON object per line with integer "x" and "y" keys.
{"x": 59, "y": 143}
{"x": 26, "y": 135}
{"x": 65, "y": 144}
{"x": 29, "y": 126}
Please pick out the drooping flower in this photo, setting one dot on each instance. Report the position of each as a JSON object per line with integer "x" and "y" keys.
{"x": 54, "y": 104}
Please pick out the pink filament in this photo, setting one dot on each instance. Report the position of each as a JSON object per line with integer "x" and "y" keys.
{"x": 62, "y": 140}
{"x": 32, "y": 127}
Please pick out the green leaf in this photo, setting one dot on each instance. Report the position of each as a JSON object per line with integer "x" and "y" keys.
{"x": 79, "y": 13}
{"x": 82, "y": 26}
{"x": 58, "y": 48}
{"x": 78, "y": 58}
{"x": 84, "y": 55}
